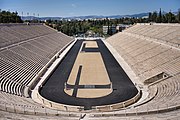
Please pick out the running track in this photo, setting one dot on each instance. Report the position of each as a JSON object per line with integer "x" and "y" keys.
{"x": 123, "y": 88}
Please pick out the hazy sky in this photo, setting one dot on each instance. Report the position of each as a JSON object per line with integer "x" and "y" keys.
{"x": 64, "y": 8}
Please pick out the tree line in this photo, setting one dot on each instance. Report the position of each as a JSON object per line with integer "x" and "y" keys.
{"x": 74, "y": 27}
{"x": 164, "y": 18}
{"x": 9, "y": 17}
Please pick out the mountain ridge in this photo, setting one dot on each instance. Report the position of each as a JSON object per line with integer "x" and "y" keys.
{"x": 138, "y": 15}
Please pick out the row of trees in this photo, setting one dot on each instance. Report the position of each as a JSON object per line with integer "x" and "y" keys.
{"x": 9, "y": 17}
{"x": 74, "y": 26}
{"x": 164, "y": 17}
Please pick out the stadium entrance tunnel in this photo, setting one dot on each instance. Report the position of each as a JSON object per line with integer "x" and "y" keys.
{"x": 87, "y": 78}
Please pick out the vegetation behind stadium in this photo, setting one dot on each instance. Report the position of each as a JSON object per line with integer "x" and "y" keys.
{"x": 74, "y": 27}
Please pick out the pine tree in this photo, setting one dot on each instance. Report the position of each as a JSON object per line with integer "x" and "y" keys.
{"x": 160, "y": 16}
{"x": 154, "y": 16}
{"x": 150, "y": 17}
{"x": 178, "y": 16}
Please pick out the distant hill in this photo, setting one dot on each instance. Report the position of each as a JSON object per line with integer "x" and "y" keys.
{"x": 39, "y": 18}
{"x": 85, "y": 17}
{"x": 112, "y": 16}
{"x": 140, "y": 15}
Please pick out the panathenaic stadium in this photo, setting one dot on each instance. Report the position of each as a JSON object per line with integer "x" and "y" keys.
{"x": 132, "y": 75}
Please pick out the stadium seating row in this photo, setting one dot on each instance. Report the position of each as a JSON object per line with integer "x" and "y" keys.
{"x": 147, "y": 49}
{"x": 11, "y": 33}
{"x": 12, "y": 106}
{"x": 165, "y": 32}
{"x": 142, "y": 48}
{"x": 145, "y": 56}
{"x": 23, "y": 56}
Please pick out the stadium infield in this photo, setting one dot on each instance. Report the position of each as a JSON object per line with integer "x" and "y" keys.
{"x": 122, "y": 88}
